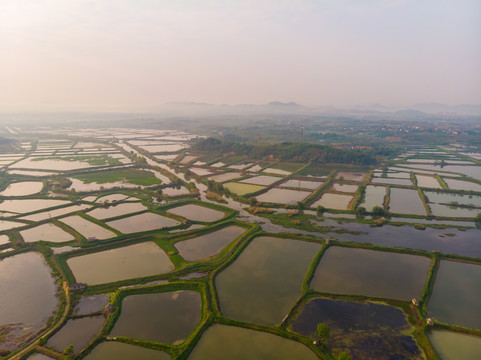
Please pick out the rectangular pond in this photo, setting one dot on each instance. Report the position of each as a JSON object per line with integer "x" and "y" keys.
{"x": 373, "y": 196}
{"x": 406, "y": 201}
{"x": 363, "y": 330}
{"x": 55, "y": 213}
{"x": 265, "y": 280}
{"x": 462, "y": 185}
{"x": 46, "y": 232}
{"x": 197, "y": 213}
{"x": 283, "y": 196}
{"x": 344, "y": 188}
{"x": 302, "y": 184}
{"x": 453, "y": 205}
{"x": 242, "y": 189}
{"x": 116, "y": 210}
{"x": 123, "y": 263}
{"x": 29, "y": 205}
{"x": 455, "y": 346}
{"x": 225, "y": 176}
{"x": 264, "y": 180}
{"x": 171, "y": 316}
{"x": 351, "y": 176}
{"x": 122, "y": 351}
{"x": 456, "y": 294}
{"x": 220, "y": 342}
{"x": 142, "y": 222}
{"x": 371, "y": 273}
{"x": 207, "y": 245}
{"x": 334, "y": 201}
{"x": 77, "y": 332}
{"x": 426, "y": 181}
{"x": 87, "y": 228}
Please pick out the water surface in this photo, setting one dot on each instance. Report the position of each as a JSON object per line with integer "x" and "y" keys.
{"x": 207, "y": 245}
{"x": 142, "y": 222}
{"x": 283, "y": 196}
{"x": 221, "y": 342}
{"x": 121, "y": 263}
{"x": 77, "y": 332}
{"x": 168, "y": 317}
{"x": 265, "y": 280}
{"x": 122, "y": 351}
{"x": 371, "y": 273}
{"x": 364, "y": 330}
{"x": 46, "y": 232}
{"x": 197, "y": 213}
{"x": 22, "y": 188}
{"x": 456, "y": 294}
{"x": 27, "y": 294}
{"x": 455, "y": 346}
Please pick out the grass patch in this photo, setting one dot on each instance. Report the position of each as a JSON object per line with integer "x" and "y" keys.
{"x": 132, "y": 176}
{"x": 96, "y": 160}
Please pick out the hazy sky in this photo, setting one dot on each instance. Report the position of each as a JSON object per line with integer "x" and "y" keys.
{"x": 140, "y": 54}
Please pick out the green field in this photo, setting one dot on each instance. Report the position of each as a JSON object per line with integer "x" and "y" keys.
{"x": 132, "y": 176}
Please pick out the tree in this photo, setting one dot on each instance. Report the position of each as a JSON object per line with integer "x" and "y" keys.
{"x": 360, "y": 212}
{"x": 378, "y": 211}
{"x": 478, "y": 221}
{"x": 323, "y": 332}
{"x": 321, "y": 210}
{"x": 68, "y": 350}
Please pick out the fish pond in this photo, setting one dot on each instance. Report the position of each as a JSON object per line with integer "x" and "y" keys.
{"x": 116, "y": 210}
{"x": 168, "y": 317}
{"x": 242, "y": 189}
{"x": 142, "y": 222}
{"x": 27, "y": 297}
{"x": 374, "y": 196}
{"x": 220, "y": 342}
{"x": 364, "y": 330}
{"x": 462, "y": 185}
{"x": 455, "y": 346}
{"x": 121, "y": 351}
{"x": 208, "y": 245}
{"x": 121, "y": 263}
{"x": 448, "y": 241}
{"x": 91, "y": 304}
{"x": 426, "y": 181}
{"x": 453, "y": 205}
{"x": 302, "y": 184}
{"x": 264, "y": 180}
{"x": 197, "y": 213}
{"x": 30, "y": 205}
{"x": 23, "y": 188}
{"x": 265, "y": 280}
{"x": 333, "y": 201}
{"x": 46, "y": 232}
{"x": 225, "y": 177}
{"x": 456, "y": 294}
{"x": 283, "y": 196}
{"x": 371, "y": 273}
{"x": 55, "y": 213}
{"x": 344, "y": 188}
{"x": 406, "y": 201}
{"x": 77, "y": 332}
{"x": 87, "y": 228}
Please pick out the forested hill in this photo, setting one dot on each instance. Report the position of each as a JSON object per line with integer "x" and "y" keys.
{"x": 291, "y": 151}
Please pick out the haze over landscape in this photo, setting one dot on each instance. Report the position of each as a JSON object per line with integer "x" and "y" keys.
{"x": 240, "y": 179}
{"x": 106, "y": 55}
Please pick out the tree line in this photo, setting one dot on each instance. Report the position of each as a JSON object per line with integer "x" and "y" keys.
{"x": 293, "y": 151}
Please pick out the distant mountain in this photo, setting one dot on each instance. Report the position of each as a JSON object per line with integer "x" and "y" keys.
{"x": 417, "y": 111}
